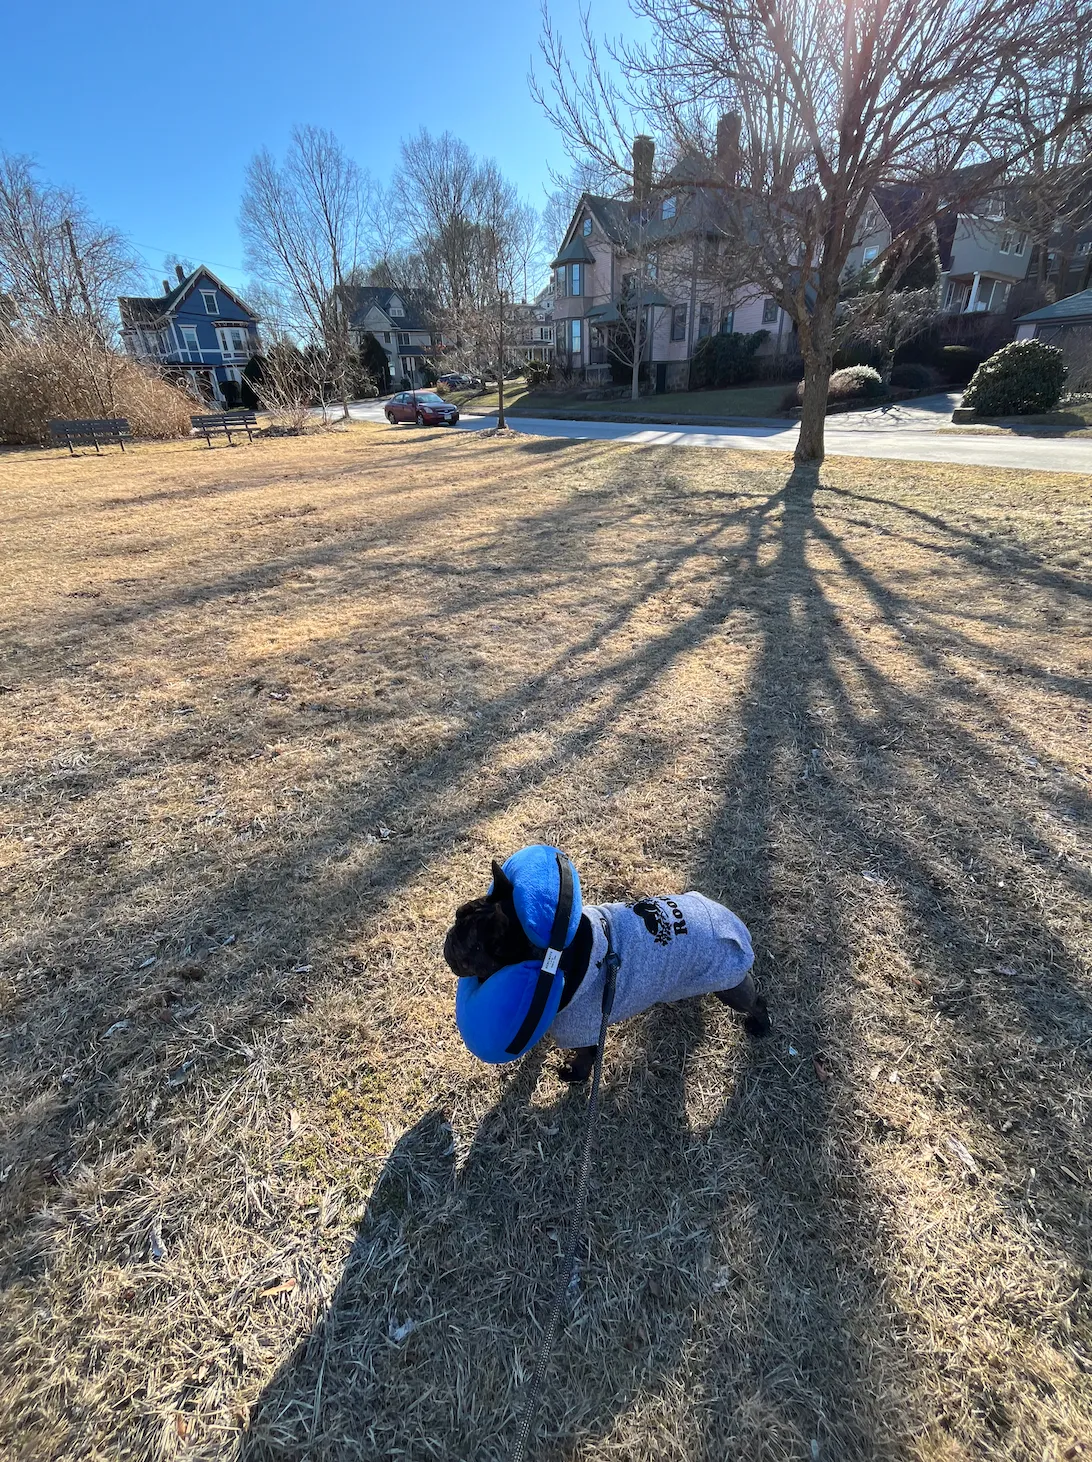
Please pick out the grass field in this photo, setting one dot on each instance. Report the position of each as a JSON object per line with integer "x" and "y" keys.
{"x": 265, "y": 715}
{"x": 748, "y": 401}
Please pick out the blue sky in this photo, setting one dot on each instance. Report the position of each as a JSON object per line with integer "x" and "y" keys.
{"x": 151, "y": 111}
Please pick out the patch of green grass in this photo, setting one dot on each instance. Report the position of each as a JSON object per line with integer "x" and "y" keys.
{"x": 745, "y": 401}
{"x": 345, "y": 1139}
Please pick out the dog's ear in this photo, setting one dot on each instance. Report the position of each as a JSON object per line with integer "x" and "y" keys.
{"x": 502, "y": 885}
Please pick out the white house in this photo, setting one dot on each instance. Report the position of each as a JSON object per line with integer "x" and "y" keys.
{"x": 399, "y": 319}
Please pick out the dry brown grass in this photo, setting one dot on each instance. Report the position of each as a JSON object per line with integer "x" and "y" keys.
{"x": 265, "y": 715}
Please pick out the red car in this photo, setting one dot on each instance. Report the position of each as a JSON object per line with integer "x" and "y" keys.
{"x": 423, "y": 407}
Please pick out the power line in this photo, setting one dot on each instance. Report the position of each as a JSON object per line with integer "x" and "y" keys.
{"x": 218, "y": 263}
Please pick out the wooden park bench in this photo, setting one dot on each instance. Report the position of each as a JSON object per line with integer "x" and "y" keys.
{"x": 225, "y": 422}
{"x": 110, "y": 432}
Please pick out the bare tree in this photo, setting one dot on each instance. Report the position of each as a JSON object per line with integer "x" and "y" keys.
{"x": 61, "y": 271}
{"x": 440, "y": 202}
{"x": 304, "y": 227}
{"x": 59, "y": 267}
{"x": 502, "y": 238}
{"x": 1053, "y": 194}
{"x": 831, "y": 102}
{"x": 465, "y": 227}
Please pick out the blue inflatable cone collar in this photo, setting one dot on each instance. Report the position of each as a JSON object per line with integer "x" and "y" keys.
{"x": 501, "y": 1018}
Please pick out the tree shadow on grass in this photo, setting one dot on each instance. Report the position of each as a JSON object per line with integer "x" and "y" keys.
{"x": 833, "y": 804}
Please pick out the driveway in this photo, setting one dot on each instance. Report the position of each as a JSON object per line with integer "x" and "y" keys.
{"x": 910, "y": 431}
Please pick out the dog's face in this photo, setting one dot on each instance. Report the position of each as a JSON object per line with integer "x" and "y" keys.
{"x": 486, "y": 934}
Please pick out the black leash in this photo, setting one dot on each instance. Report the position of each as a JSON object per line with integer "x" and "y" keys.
{"x": 611, "y": 963}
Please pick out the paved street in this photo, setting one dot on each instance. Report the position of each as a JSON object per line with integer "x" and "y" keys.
{"x": 911, "y": 432}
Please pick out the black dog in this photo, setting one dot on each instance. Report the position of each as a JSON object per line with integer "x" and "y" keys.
{"x": 487, "y": 936}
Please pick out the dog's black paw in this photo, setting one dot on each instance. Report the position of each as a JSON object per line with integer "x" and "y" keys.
{"x": 757, "y": 1023}
{"x": 572, "y": 1073}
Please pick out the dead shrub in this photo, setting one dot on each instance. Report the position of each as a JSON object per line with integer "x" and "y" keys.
{"x": 41, "y": 380}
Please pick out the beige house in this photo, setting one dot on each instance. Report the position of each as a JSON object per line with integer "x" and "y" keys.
{"x": 663, "y": 248}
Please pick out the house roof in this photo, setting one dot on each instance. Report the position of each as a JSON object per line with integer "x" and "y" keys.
{"x": 1073, "y": 307}
{"x": 899, "y": 202}
{"x": 575, "y": 251}
{"x": 149, "y": 309}
{"x": 417, "y": 305}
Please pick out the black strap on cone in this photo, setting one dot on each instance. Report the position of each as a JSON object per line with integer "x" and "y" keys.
{"x": 550, "y": 960}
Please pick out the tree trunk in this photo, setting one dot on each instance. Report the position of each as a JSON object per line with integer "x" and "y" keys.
{"x": 809, "y": 444}
{"x": 500, "y": 363}
{"x": 635, "y": 383}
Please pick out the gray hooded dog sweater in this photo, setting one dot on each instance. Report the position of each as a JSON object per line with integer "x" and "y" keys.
{"x": 671, "y": 949}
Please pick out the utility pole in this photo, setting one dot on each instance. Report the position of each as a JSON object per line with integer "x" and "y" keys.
{"x": 93, "y": 329}
{"x": 66, "y": 225}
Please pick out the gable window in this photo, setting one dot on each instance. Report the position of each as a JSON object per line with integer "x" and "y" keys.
{"x": 705, "y": 321}
{"x": 585, "y": 227}
{"x": 678, "y": 322}
{"x": 209, "y": 296}
{"x": 867, "y": 258}
{"x": 727, "y": 321}
{"x": 575, "y": 279}
{"x": 667, "y": 209}
{"x": 396, "y": 306}
{"x": 769, "y": 312}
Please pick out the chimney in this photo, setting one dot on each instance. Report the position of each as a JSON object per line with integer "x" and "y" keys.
{"x": 181, "y": 273}
{"x": 644, "y": 151}
{"x": 166, "y": 287}
{"x": 728, "y": 131}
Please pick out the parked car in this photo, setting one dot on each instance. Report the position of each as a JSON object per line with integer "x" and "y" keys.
{"x": 423, "y": 407}
{"x": 456, "y": 381}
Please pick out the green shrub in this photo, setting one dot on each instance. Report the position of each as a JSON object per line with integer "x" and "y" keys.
{"x": 538, "y": 373}
{"x": 725, "y": 360}
{"x": 1023, "y": 378}
{"x": 958, "y": 363}
{"x": 915, "y": 377}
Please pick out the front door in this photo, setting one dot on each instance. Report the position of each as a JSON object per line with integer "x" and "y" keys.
{"x": 661, "y": 377}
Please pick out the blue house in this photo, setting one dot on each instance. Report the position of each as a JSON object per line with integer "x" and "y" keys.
{"x": 200, "y": 331}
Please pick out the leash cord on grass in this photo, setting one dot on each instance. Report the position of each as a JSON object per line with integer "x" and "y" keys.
{"x": 530, "y": 1407}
